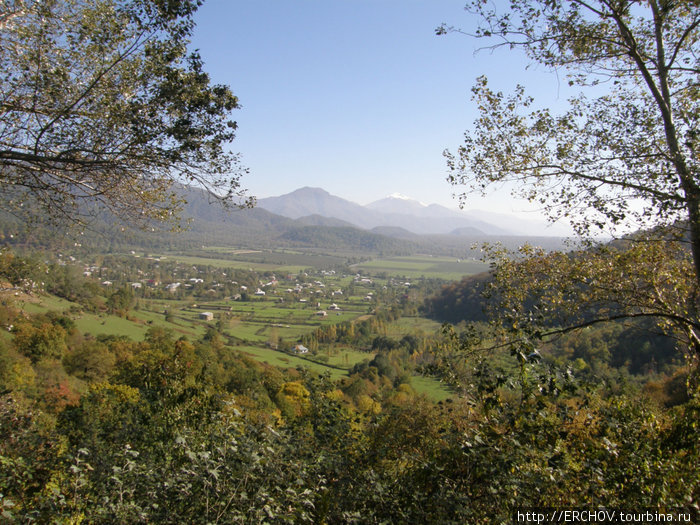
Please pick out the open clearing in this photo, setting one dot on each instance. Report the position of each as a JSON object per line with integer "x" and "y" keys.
{"x": 448, "y": 268}
{"x": 286, "y": 261}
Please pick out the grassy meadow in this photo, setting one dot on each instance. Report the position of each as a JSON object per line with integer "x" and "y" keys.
{"x": 428, "y": 266}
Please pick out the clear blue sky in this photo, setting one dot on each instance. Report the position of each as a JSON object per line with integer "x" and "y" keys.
{"x": 359, "y": 97}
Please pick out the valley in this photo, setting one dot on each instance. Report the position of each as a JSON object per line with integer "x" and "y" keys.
{"x": 193, "y": 329}
{"x": 262, "y": 303}
{"x": 152, "y": 356}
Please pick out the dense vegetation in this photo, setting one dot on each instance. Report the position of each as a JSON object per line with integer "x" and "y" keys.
{"x": 102, "y": 428}
{"x": 135, "y": 389}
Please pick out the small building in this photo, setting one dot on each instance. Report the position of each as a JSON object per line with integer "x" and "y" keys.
{"x": 206, "y": 316}
{"x": 301, "y": 349}
{"x": 321, "y": 313}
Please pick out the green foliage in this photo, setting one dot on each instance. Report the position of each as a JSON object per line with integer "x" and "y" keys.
{"x": 459, "y": 301}
{"x": 623, "y": 305}
{"x": 91, "y": 361}
{"x": 66, "y": 281}
{"x": 345, "y": 238}
{"x": 633, "y": 139}
{"x": 171, "y": 430}
{"x": 120, "y": 301}
{"x": 107, "y": 105}
{"x": 624, "y": 156}
{"x": 40, "y": 341}
{"x": 193, "y": 433}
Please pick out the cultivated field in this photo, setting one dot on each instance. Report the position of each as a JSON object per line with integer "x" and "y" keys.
{"x": 448, "y": 268}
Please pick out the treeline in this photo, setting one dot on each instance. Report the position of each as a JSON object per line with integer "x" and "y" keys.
{"x": 173, "y": 431}
{"x": 347, "y": 238}
{"x": 459, "y": 301}
{"x": 106, "y": 284}
{"x": 635, "y": 345}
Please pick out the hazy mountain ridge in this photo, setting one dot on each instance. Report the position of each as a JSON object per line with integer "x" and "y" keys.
{"x": 207, "y": 223}
{"x": 390, "y": 212}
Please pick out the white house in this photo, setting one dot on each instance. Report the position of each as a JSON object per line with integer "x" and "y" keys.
{"x": 301, "y": 349}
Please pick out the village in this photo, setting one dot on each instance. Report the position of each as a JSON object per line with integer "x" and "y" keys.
{"x": 251, "y": 307}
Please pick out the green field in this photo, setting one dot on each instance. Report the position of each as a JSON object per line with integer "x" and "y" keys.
{"x": 221, "y": 262}
{"x": 281, "y": 359}
{"x": 448, "y": 268}
{"x": 285, "y": 314}
{"x": 428, "y": 386}
{"x": 286, "y": 261}
{"x": 432, "y": 388}
{"x": 412, "y": 325}
{"x": 282, "y": 258}
{"x": 254, "y": 322}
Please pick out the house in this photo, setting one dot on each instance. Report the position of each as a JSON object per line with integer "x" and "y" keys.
{"x": 301, "y": 349}
{"x": 321, "y": 313}
{"x": 206, "y": 316}
{"x": 334, "y": 307}
{"x": 259, "y": 292}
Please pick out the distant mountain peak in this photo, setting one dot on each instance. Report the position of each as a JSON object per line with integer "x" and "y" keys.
{"x": 309, "y": 190}
{"x": 396, "y": 210}
{"x": 401, "y": 196}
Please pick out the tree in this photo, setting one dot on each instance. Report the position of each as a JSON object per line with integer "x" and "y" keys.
{"x": 120, "y": 301}
{"x": 37, "y": 342}
{"x": 103, "y": 106}
{"x": 536, "y": 297}
{"x": 629, "y": 152}
{"x": 625, "y": 153}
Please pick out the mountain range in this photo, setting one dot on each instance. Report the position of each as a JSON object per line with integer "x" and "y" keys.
{"x": 308, "y": 218}
{"x": 395, "y": 212}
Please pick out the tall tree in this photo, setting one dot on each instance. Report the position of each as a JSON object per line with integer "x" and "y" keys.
{"x": 628, "y": 151}
{"x": 624, "y": 152}
{"x": 103, "y": 106}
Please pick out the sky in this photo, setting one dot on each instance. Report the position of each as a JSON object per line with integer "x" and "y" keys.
{"x": 358, "y": 97}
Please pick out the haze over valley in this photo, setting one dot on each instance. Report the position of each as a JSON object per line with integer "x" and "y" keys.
{"x": 398, "y": 211}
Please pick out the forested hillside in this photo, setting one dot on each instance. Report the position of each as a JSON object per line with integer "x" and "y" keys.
{"x": 166, "y": 428}
{"x": 635, "y": 344}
